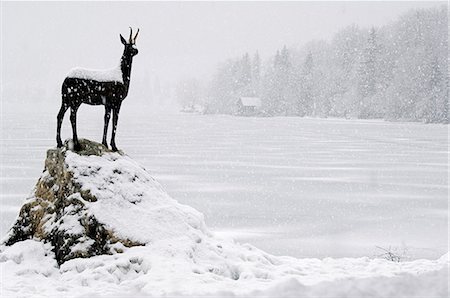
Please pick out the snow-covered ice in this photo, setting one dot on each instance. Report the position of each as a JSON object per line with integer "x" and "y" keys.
{"x": 290, "y": 186}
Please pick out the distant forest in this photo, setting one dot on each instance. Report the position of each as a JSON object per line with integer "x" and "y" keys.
{"x": 395, "y": 72}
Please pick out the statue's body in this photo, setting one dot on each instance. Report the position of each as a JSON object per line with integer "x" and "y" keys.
{"x": 97, "y": 87}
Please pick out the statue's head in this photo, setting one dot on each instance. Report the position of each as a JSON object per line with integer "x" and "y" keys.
{"x": 130, "y": 46}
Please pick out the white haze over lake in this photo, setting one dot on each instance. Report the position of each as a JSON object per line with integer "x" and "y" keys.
{"x": 41, "y": 41}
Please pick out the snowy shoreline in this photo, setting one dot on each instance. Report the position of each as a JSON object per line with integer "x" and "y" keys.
{"x": 29, "y": 270}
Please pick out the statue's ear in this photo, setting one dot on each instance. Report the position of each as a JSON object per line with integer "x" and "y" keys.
{"x": 124, "y": 42}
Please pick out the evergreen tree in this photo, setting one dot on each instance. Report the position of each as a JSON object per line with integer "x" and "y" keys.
{"x": 367, "y": 77}
{"x": 244, "y": 78}
{"x": 305, "y": 99}
{"x": 256, "y": 75}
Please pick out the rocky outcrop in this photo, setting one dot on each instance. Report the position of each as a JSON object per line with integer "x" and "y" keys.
{"x": 94, "y": 202}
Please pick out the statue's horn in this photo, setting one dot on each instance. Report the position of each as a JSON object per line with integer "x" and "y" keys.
{"x": 134, "y": 39}
{"x": 131, "y": 35}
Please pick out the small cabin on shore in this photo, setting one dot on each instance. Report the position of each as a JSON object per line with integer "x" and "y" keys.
{"x": 248, "y": 106}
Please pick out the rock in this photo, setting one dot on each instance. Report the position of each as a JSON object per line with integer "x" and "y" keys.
{"x": 95, "y": 201}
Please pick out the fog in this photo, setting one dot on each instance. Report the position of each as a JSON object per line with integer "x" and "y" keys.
{"x": 41, "y": 41}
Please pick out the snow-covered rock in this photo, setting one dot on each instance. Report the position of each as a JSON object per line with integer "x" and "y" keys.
{"x": 97, "y": 224}
{"x": 96, "y": 202}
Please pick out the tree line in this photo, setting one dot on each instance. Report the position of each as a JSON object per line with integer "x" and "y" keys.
{"x": 395, "y": 72}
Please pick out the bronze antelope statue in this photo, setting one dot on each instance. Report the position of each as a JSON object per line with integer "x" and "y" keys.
{"x": 98, "y": 87}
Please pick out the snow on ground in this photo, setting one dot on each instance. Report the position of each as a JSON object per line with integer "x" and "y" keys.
{"x": 29, "y": 270}
{"x": 182, "y": 258}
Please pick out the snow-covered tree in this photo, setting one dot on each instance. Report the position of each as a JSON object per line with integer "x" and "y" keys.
{"x": 398, "y": 71}
{"x": 367, "y": 77}
{"x": 256, "y": 75}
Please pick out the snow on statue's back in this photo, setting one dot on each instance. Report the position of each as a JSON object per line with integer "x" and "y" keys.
{"x": 99, "y": 75}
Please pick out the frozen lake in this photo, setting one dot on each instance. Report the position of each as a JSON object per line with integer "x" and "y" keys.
{"x": 290, "y": 186}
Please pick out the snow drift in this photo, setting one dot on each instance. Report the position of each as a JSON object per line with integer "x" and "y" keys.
{"x": 97, "y": 224}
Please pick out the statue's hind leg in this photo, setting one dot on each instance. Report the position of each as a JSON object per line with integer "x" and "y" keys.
{"x": 59, "y": 120}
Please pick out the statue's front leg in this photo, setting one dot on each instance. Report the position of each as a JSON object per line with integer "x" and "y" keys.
{"x": 105, "y": 128}
{"x": 113, "y": 134}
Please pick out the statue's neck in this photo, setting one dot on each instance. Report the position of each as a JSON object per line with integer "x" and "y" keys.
{"x": 125, "y": 66}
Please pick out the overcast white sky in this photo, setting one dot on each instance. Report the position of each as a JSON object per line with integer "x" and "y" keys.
{"x": 41, "y": 41}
